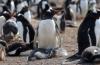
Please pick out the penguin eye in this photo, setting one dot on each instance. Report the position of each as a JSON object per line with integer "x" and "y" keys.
{"x": 95, "y": 51}
{"x": 5, "y": 12}
{"x": 19, "y": 14}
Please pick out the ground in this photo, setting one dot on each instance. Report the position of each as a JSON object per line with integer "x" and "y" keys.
{"x": 70, "y": 44}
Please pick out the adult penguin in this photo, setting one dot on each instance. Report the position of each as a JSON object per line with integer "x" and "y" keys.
{"x": 25, "y": 25}
{"x": 46, "y": 35}
{"x": 86, "y": 32}
{"x": 22, "y": 7}
{"x": 86, "y": 35}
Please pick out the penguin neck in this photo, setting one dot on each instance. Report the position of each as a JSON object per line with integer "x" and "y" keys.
{"x": 47, "y": 16}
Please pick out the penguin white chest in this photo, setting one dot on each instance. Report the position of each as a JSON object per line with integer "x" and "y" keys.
{"x": 2, "y": 22}
{"x": 28, "y": 16}
{"x": 47, "y": 34}
{"x": 97, "y": 32}
{"x": 20, "y": 29}
{"x": 84, "y": 7}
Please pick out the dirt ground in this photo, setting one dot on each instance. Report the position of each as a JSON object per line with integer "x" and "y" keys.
{"x": 69, "y": 43}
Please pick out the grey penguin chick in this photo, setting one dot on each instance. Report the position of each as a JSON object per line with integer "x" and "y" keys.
{"x": 90, "y": 54}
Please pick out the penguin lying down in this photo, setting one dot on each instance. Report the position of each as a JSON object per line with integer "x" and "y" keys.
{"x": 90, "y": 54}
{"x": 43, "y": 53}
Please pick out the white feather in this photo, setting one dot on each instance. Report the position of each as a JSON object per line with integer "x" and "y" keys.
{"x": 27, "y": 37}
{"x": 40, "y": 55}
{"x": 36, "y": 1}
{"x": 20, "y": 29}
{"x": 73, "y": 10}
{"x": 97, "y": 32}
{"x": 12, "y": 52}
{"x": 12, "y": 6}
{"x": 28, "y": 16}
{"x": 92, "y": 5}
{"x": 21, "y": 5}
{"x": 2, "y": 22}
{"x": 47, "y": 34}
{"x": 84, "y": 7}
{"x": 58, "y": 21}
{"x": 43, "y": 4}
{"x": 61, "y": 52}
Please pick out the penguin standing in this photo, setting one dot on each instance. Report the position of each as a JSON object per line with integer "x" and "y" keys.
{"x": 86, "y": 32}
{"x": 46, "y": 36}
{"x": 22, "y": 7}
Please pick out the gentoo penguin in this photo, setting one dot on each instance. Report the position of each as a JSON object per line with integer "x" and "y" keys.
{"x": 86, "y": 33}
{"x": 60, "y": 21}
{"x": 47, "y": 31}
{"x": 15, "y": 44}
{"x": 25, "y": 25}
{"x": 89, "y": 27}
{"x": 41, "y": 53}
{"x": 85, "y": 5}
{"x": 70, "y": 12}
{"x": 9, "y": 35}
{"x": 39, "y": 7}
{"x": 22, "y": 7}
{"x": 46, "y": 35}
{"x": 90, "y": 54}
{"x": 10, "y": 5}
{"x": 10, "y": 28}
{"x": 3, "y": 18}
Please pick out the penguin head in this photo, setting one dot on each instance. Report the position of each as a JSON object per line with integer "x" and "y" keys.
{"x": 6, "y": 14}
{"x": 47, "y": 10}
{"x": 10, "y": 29}
{"x": 92, "y": 5}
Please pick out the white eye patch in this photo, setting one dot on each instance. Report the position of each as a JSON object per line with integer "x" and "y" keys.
{"x": 49, "y": 10}
{"x": 96, "y": 51}
{"x": 43, "y": 4}
{"x": 5, "y": 12}
{"x": 19, "y": 14}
